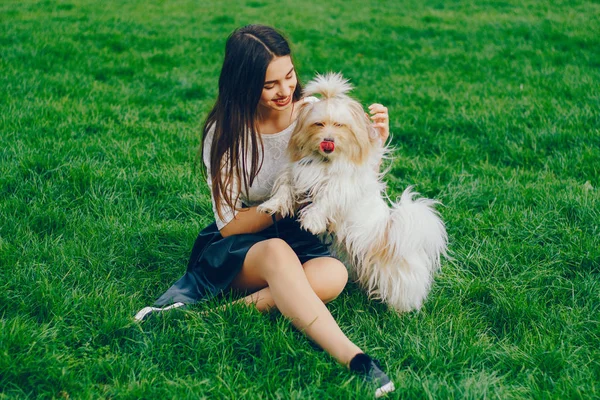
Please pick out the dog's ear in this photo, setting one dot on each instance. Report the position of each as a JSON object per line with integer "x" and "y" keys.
{"x": 294, "y": 146}
{"x": 361, "y": 128}
{"x": 306, "y": 103}
{"x": 296, "y": 143}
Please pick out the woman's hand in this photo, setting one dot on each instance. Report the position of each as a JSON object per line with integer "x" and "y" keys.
{"x": 381, "y": 122}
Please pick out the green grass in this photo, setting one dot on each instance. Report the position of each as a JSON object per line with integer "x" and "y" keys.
{"x": 494, "y": 111}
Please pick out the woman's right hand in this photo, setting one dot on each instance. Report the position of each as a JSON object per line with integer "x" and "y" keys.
{"x": 247, "y": 220}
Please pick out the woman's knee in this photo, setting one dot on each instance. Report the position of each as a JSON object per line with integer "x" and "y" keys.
{"x": 339, "y": 279}
{"x": 327, "y": 276}
{"x": 272, "y": 255}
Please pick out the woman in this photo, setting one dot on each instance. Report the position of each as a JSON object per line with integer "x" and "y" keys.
{"x": 281, "y": 265}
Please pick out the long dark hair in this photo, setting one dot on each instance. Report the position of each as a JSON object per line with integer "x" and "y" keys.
{"x": 248, "y": 52}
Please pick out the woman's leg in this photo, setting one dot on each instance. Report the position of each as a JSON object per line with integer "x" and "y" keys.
{"x": 274, "y": 263}
{"x": 327, "y": 277}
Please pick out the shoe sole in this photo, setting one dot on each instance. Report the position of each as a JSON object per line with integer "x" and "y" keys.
{"x": 387, "y": 388}
{"x": 147, "y": 311}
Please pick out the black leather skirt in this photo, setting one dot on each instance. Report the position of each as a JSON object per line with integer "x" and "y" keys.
{"x": 216, "y": 261}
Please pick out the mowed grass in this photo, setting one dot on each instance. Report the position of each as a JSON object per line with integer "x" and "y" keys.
{"x": 494, "y": 111}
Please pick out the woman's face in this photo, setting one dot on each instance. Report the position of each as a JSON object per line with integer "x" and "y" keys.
{"x": 280, "y": 83}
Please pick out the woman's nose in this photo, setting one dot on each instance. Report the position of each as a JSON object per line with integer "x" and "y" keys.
{"x": 285, "y": 91}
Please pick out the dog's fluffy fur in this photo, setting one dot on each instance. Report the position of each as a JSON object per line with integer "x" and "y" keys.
{"x": 392, "y": 251}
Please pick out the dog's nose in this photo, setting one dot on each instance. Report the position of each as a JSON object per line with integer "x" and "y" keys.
{"x": 329, "y": 139}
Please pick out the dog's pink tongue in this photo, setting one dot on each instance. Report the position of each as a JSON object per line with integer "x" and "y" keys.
{"x": 327, "y": 146}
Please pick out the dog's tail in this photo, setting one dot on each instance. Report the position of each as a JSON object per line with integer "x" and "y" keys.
{"x": 328, "y": 86}
{"x": 416, "y": 239}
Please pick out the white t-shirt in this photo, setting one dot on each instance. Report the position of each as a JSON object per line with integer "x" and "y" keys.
{"x": 275, "y": 159}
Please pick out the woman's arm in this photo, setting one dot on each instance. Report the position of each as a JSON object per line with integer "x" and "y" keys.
{"x": 248, "y": 220}
{"x": 244, "y": 220}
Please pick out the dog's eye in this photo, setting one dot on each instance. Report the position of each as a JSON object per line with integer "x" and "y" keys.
{"x": 338, "y": 125}
{"x": 320, "y": 124}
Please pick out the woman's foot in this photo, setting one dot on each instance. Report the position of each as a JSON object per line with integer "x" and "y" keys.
{"x": 372, "y": 372}
{"x": 147, "y": 311}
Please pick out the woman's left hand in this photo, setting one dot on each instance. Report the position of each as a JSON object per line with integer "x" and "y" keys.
{"x": 381, "y": 121}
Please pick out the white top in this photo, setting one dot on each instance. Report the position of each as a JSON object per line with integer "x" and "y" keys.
{"x": 275, "y": 159}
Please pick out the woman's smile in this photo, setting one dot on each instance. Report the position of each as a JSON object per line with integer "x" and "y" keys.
{"x": 282, "y": 102}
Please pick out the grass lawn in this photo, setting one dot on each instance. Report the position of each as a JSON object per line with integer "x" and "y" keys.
{"x": 495, "y": 111}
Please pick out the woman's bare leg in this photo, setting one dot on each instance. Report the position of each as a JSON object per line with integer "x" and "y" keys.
{"x": 273, "y": 262}
{"x": 327, "y": 277}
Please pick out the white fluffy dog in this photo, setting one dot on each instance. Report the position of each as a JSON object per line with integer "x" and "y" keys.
{"x": 392, "y": 251}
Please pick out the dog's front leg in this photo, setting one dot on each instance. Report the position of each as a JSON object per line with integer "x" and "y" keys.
{"x": 314, "y": 218}
{"x": 282, "y": 200}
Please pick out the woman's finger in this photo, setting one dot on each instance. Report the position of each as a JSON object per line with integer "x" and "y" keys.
{"x": 377, "y": 106}
{"x": 380, "y": 116}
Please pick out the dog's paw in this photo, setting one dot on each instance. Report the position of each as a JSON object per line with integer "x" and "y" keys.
{"x": 271, "y": 206}
{"x": 313, "y": 222}
{"x": 276, "y": 205}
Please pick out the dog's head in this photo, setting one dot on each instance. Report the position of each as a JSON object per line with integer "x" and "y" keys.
{"x": 334, "y": 127}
